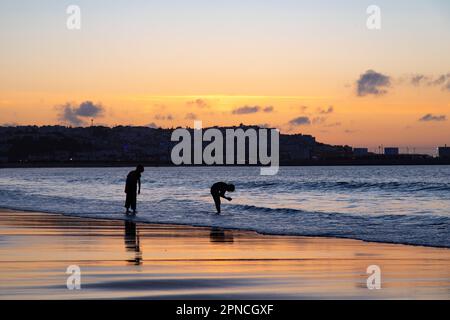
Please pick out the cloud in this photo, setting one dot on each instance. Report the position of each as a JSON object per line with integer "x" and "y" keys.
{"x": 76, "y": 114}
{"x": 164, "y": 117}
{"x": 442, "y": 80}
{"x": 252, "y": 109}
{"x": 430, "y": 117}
{"x": 335, "y": 124}
{"x": 246, "y": 110}
{"x": 417, "y": 79}
{"x": 199, "y": 103}
{"x": 372, "y": 82}
{"x": 153, "y": 125}
{"x": 68, "y": 115}
{"x": 326, "y": 111}
{"x": 438, "y": 81}
{"x": 303, "y": 108}
{"x": 9, "y": 124}
{"x": 191, "y": 116}
{"x": 319, "y": 120}
{"x": 88, "y": 109}
{"x": 300, "y": 121}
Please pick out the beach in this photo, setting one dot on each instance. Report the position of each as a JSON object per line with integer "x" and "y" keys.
{"x": 127, "y": 260}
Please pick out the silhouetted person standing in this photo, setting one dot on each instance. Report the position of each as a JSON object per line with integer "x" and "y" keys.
{"x": 218, "y": 190}
{"x": 132, "y": 188}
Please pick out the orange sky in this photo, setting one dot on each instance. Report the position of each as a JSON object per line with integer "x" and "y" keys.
{"x": 168, "y": 64}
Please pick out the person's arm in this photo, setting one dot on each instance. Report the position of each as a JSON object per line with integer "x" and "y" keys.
{"x": 139, "y": 185}
{"x": 222, "y": 194}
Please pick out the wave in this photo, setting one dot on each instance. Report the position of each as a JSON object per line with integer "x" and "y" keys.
{"x": 350, "y": 185}
{"x": 398, "y": 205}
{"x": 425, "y": 230}
{"x": 388, "y": 217}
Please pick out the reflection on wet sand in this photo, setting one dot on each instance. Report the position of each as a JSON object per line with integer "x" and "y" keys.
{"x": 183, "y": 262}
{"x": 132, "y": 242}
{"x": 221, "y": 235}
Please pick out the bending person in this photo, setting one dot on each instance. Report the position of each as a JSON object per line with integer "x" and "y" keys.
{"x": 218, "y": 190}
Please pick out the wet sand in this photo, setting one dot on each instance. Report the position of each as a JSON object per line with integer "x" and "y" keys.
{"x": 125, "y": 260}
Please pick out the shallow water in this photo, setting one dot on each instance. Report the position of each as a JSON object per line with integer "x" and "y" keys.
{"x": 399, "y": 204}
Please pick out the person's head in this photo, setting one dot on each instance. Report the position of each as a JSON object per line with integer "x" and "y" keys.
{"x": 230, "y": 187}
{"x": 140, "y": 168}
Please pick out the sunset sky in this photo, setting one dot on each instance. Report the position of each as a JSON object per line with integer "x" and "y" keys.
{"x": 308, "y": 67}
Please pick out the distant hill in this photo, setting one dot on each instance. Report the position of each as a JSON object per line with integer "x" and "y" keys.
{"x": 125, "y": 145}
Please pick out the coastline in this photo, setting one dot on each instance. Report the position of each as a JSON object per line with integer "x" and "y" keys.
{"x": 123, "y": 259}
{"x": 193, "y": 225}
{"x": 306, "y": 163}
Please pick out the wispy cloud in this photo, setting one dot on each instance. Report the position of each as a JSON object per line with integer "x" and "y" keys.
{"x": 430, "y": 117}
{"x": 334, "y": 124}
{"x": 191, "y": 116}
{"x": 328, "y": 110}
{"x": 164, "y": 117}
{"x": 9, "y": 124}
{"x": 252, "y": 109}
{"x": 319, "y": 120}
{"x": 152, "y": 125}
{"x": 418, "y": 79}
{"x": 199, "y": 103}
{"x": 438, "y": 81}
{"x": 246, "y": 110}
{"x": 300, "y": 121}
{"x": 442, "y": 80}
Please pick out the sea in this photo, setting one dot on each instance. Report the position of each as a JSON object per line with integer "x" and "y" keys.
{"x": 389, "y": 204}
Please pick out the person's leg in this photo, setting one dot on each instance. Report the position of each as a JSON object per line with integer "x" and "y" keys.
{"x": 216, "y": 198}
{"x": 133, "y": 203}
{"x": 128, "y": 202}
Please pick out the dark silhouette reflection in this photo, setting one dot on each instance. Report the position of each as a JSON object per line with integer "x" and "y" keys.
{"x": 220, "y": 235}
{"x": 132, "y": 242}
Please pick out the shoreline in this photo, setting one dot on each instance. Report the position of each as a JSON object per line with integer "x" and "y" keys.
{"x": 306, "y": 163}
{"x": 129, "y": 218}
{"x": 121, "y": 259}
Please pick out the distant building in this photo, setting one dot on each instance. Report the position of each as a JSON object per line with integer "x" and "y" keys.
{"x": 391, "y": 151}
{"x": 444, "y": 152}
{"x": 360, "y": 152}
